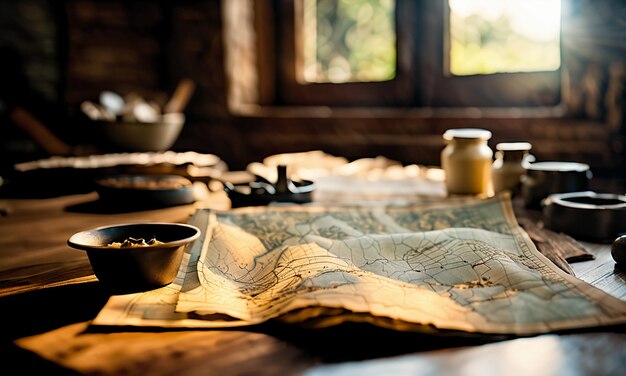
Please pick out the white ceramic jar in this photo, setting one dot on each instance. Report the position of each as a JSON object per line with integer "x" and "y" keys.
{"x": 508, "y": 168}
{"x": 466, "y": 161}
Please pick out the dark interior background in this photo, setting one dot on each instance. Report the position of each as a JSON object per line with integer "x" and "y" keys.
{"x": 71, "y": 50}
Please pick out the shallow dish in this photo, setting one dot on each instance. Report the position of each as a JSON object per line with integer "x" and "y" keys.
{"x": 145, "y": 190}
{"x": 135, "y": 268}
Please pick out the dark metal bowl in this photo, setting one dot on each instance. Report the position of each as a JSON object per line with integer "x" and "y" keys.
{"x": 135, "y": 268}
{"x": 598, "y": 217}
{"x": 545, "y": 178}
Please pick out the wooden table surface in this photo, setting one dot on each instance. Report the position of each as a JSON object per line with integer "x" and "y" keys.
{"x": 48, "y": 295}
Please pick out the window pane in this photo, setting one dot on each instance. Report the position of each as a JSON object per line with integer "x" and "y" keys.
{"x": 349, "y": 40}
{"x": 492, "y": 36}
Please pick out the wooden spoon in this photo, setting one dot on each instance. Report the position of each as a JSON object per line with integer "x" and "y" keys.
{"x": 181, "y": 96}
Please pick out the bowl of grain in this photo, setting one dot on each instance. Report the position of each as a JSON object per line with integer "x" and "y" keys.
{"x": 133, "y": 257}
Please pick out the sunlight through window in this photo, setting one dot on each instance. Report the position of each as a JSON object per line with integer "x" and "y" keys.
{"x": 497, "y": 36}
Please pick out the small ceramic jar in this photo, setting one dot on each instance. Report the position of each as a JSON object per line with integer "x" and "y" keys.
{"x": 466, "y": 161}
{"x": 508, "y": 168}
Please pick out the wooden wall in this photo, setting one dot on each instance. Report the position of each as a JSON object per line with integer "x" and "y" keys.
{"x": 147, "y": 46}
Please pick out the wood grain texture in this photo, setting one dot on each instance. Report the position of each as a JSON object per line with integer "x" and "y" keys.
{"x": 48, "y": 295}
{"x": 561, "y": 249}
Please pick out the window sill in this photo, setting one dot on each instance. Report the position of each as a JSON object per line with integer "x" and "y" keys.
{"x": 324, "y": 112}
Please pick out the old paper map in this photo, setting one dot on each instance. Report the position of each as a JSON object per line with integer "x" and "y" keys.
{"x": 457, "y": 266}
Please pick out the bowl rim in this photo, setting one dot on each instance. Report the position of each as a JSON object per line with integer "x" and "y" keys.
{"x": 564, "y": 200}
{"x": 72, "y": 242}
{"x": 558, "y": 166}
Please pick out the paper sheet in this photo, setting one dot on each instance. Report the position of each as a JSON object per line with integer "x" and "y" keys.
{"x": 453, "y": 266}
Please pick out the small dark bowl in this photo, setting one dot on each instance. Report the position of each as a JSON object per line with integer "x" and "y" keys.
{"x": 131, "y": 269}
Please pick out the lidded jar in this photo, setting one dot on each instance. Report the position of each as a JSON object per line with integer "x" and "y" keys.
{"x": 466, "y": 161}
{"x": 509, "y": 166}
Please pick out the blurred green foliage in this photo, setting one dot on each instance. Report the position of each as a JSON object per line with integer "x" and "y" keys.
{"x": 355, "y": 40}
{"x": 349, "y": 40}
{"x": 484, "y": 46}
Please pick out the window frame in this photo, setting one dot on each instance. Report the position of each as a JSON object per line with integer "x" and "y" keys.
{"x": 276, "y": 25}
{"x": 422, "y": 80}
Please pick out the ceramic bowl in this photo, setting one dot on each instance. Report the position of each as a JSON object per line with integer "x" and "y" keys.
{"x": 135, "y": 268}
{"x": 136, "y": 136}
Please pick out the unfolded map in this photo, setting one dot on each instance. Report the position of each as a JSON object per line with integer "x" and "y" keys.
{"x": 455, "y": 266}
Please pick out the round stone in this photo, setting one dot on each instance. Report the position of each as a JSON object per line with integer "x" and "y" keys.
{"x": 618, "y": 250}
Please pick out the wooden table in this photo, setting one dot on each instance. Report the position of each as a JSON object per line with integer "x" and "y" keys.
{"x": 48, "y": 294}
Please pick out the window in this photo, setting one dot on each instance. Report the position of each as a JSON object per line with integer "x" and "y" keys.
{"x": 348, "y": 41}
{"x": 505, "y": 36}
{"x": 413, "y": 53}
